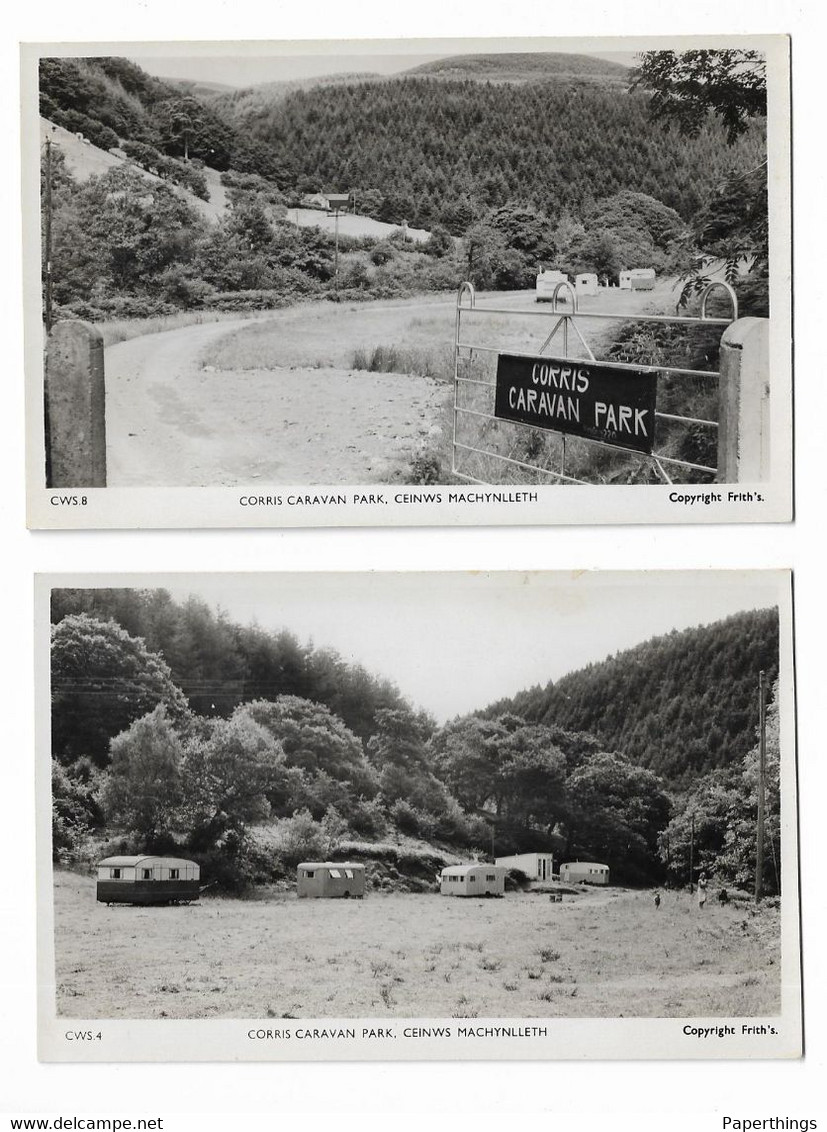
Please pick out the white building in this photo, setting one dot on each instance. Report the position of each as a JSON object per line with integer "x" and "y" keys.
{"x": 536, "y": 866}
{"x": 586, "y": 284}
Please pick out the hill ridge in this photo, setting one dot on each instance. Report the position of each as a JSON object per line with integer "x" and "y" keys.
{"x": 679, "y": 704}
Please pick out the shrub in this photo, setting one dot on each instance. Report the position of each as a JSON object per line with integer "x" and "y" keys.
{"x": 247, "y": 300}
{"x": 237, "y": 863}
{"x": 118, "y": 306}
{"x": 412, "y": 821}
{"x": 180, "y": 286}
{"x": 367, "y": 818}
{"x": 382, "y": 253}
{"x": 516, "y": 880}
{"x": 300, "y": 838}
{"x": 425, "y": 468}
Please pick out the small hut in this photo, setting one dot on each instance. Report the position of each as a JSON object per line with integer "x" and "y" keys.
{"x": 472, "y": 880}
{"x": 147, "y": 880}
{"x": 584, "y": 872}
{"x": 330, "y": 879}
{"x": 338, "y": 202}
{"x": 586, "y": 283}
{"x": 536, "y": 866}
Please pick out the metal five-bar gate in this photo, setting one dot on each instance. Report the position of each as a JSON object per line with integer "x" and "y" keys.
{"x": 489, "y": 446}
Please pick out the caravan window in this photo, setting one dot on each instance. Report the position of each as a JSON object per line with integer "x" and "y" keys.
{"x": 146, "y": 874}
{"x": 335, "y": 874}
{"x": 115, "y": 874}
{"x": 309, "y": 873}
{"x": 174, "y": 874}
{"x": 490, "y": 876}
{"x": 349, "y": 874}
{"x": 471, "y": 879}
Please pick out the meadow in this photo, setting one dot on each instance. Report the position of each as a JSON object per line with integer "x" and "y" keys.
{"x": 604, "y": 953}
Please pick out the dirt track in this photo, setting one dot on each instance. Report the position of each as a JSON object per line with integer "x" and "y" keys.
{"x": 171, "y": 423}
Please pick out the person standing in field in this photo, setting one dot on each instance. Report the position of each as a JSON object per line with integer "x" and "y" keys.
{"x": 701, "y": 890}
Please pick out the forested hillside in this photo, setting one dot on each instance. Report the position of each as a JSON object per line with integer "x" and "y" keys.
{"x": 218, "y": 664}
{"x": 510, "y": 161}
{"x": 440, "y": 151}
{"x": 681, "y": 705}
{"x": 175, "y": 728}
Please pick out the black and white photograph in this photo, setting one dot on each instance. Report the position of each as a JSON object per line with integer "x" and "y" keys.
{"x": 417, "y": 815}
{"x": 408, "y": 282}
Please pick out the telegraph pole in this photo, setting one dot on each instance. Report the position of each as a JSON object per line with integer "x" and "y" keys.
{"x": 762, "y": 774}
{"x": 47, "y": 238}
{"x": 336, "y": 254}
{"x": 691, "y": 851}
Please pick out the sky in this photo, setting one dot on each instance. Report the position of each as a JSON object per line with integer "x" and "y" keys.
{"x": 456, "y": 642}
{"x": 251, "y": 69}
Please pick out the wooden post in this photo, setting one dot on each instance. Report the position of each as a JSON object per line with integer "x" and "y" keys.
{"x": 75, "y": 407}
{"x": 744, "y": 388}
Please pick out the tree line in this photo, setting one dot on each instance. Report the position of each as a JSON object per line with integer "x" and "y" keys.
{"x": 175, "y": 729}
{"x": 507, "y": 175}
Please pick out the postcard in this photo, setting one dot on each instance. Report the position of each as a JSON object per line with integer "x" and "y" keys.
{"x": 408, "y": 282}
{"x": 430, "y": 815}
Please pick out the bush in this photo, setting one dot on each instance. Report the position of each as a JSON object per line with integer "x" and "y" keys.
{"x": 181, "y": 287}
{"x": 366, "y": 818}
{"x": 246, "y": 300}
{"x": 118, "y": 306}
{"x": 382, "y": 253}
{"x": 425, "y": 468}
{"x": 355, "y": 276}
{"x": 237, "y": 863}
{"x": 300, "y": 838}
{"x": 516, "y": 880}
{"x": 412, "y": 821}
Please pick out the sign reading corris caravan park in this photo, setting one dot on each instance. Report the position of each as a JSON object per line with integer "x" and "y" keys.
{"x": 595, "y": 400}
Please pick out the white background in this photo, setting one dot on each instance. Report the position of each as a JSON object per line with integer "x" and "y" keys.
{"x": 589, "y": 1096}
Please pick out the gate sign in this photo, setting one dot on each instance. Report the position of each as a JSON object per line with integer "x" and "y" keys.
{"x": 596, "y": 400}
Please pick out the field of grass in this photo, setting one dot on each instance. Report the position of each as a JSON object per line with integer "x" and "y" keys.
{"x": 602, "y": 954}
{"x": 322, "y": 335}
{"x": 125, "y": 329}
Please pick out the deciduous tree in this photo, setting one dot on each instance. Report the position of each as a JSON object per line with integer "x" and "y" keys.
{"x": 142, "y": 790}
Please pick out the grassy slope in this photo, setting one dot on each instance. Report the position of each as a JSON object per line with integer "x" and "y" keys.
{"x": 85, "y": 160}
{"x": 604, "y": 954}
